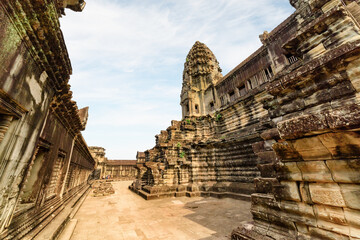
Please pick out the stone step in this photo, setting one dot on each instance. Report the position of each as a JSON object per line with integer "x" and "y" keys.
{"x": 68, "y": 231}
{"x": 28, "y": 224}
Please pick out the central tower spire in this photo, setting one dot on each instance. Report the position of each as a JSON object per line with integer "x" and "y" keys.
{"x": 201, "y": 73}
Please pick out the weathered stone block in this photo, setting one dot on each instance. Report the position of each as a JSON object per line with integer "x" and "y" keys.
{"x": 333, "y": 227}
{"x": 353, "y": 72}
{"x": 287, "y": 191}
{"x": 268, "y": 145}
{"x": 318, "y": 97}
{"x": 181, "y": 188}
{"x": 286, "y": 152}
{"x": 299, "y": 212}
{"x": 352, "y": 217}
{"x": 267, "y": 157}
{"x": 316, "y": 50}
{"x": 288, "y": 171}
{"x": 354, "y": 233}
{"x": 346, "y": 171}
{"x": 342, "y": 144}
{"x": 319, "y": 233}
{"x": 305, "y": 192}
{"x": 342, "y": 89}
{"x": 192, "y": 188}
{"x": 293, "y": 106}
{"x": 302, "y": 228}
{"x": 247, "y": 230}
{"x": 315, "y": 171}
{"x": 258, "y": 147}
{"x": 330, "y": 214}
{"x": 326, "y": 193}
{"x": 344, "y": 117}
{"x": 265, "y": 185}
{"x": 267, "y": 170}
{"x": 328, "y": 5}
{"x": 260, "y": 213}
{"x": 264, "y": 199}
{"x": 351, "y": 195}
{"x": 270, "y": 134}
{"x": 311, "y": 148}
{"x": 299, "y": 126}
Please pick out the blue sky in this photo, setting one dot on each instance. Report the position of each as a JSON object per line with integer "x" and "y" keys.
{"x": 128, "y": 58}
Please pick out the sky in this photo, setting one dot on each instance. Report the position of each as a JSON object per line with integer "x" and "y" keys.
{"x": 128, "y": 57}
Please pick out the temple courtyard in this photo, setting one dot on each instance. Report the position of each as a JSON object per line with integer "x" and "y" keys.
{"x": 125, "y": 215}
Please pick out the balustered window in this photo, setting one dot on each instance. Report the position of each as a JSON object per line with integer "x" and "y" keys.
{"x": 254, "y": 81}
{"x": 269, "y": 73}
{"x": 242, "y": 90}
{"x": 291, "y": 59}
{"x": 212, "y": 106}
{"x": 55, "y": 176}
{"x": 232, "y": 96}
{"x": 196, "y": 108}
{"x": 222, "y": 100}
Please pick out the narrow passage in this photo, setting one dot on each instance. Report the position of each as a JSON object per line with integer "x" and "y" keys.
{"x": 125, "y": 215}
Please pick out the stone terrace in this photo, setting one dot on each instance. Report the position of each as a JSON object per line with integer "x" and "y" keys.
{"x": 126, "y": 215}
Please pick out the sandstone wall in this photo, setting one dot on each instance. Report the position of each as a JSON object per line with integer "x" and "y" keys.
{"x": 27, "y": 112}
{"x": 120, "y": 172}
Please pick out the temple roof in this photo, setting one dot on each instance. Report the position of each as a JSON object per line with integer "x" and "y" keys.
{"x": 83, "y": 115}
{"x": 200, "y": 60}
{"x": 140, "y": 154}
{"x": 201, "y": 68}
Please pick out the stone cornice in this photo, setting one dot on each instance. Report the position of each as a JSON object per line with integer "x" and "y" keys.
{"x": 67, "y": 112}
{"x": 37, "y": 23}
{"x": 10, "y": 106}
{"x": 287, "y": 80}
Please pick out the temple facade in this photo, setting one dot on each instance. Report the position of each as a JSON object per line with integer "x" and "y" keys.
{"x": 118, "y": 170}
{"x": 98, "y": 154}
{"x": 281, "y": 129}
{"x": 45, "y": 163}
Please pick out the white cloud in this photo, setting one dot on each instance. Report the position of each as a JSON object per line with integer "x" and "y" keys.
{"x": 128, "y": 56}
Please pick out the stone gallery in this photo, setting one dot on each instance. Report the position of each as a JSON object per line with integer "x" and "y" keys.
{"x": 281, "y": 130}
{"x": 44, "y": 160}
{"x": 112, "y": 169}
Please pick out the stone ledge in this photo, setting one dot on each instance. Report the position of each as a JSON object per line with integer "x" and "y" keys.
{"x": 346, "y": 117}
{"x": 148, "y": 196}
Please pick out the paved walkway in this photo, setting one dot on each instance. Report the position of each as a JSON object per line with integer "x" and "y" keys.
{"x": 125, "y": 215}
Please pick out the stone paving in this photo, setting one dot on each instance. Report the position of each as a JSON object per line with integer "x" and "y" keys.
{"x": 125, "y": 215}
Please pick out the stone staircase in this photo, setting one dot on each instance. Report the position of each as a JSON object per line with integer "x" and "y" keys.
{"x": 28, "y": 223}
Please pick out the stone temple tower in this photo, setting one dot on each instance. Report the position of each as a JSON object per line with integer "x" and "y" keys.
{"x": 201, "y": 73}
